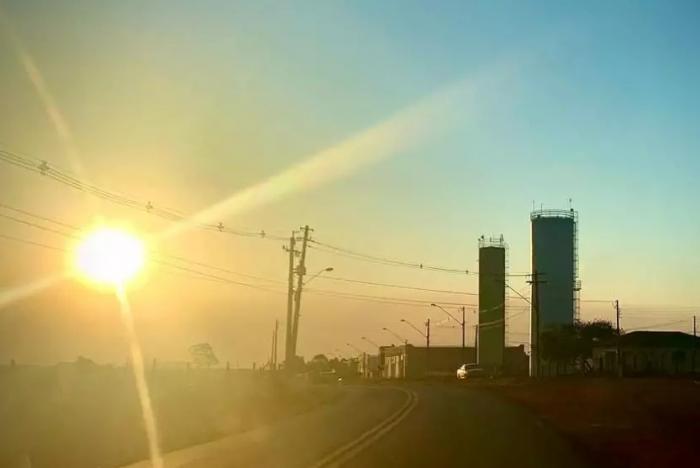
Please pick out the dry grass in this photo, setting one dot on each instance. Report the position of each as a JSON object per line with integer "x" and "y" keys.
{"x": 66, "y": 416}
{"x": 643, "y": 423}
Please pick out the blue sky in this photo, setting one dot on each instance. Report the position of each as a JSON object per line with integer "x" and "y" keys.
{"x": 187, "y": 102}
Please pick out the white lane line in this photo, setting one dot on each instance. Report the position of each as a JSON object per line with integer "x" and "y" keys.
{"x": 346, "y": 452}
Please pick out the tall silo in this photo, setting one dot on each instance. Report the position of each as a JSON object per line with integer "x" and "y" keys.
{"x": 555, "y": 260}
{"x": 492, "y": 302}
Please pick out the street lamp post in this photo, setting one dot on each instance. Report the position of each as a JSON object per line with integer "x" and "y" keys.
{"x": 399, "y": 337}
{"x": 339, "y": 353}
{"x": 370, "y": 341}
{"x": 293, "y": 327}
{"x": 462, "y": 323}
{"x": 325, "y": 270}
{"x": 424, "y": 335}
{"x": 362, "y": 359}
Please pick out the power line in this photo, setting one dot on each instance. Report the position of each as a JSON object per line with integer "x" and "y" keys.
{"x": 385, "y": 299}
{"x": 28, "y": 242}
{"x": 367, "y": 299}
{"x": 78, "y": 232}
{"x": 657, "y": 325}
{"x": 220, "y": 269}
{"x": 389, "y": 298}
{"x": 53, "y": 172}
{"x": 344, "y": 252}
{"x": 207, "y": 276}
{"x": 398, "y": 286}
{"x": 42, "y": 218}
{"x": 347, "y": 295}
{"x": 63, "y": 177}
{"x": 37, "y": 226}
{"x": 199, "y": 274}
{"x": 218, "y": 278}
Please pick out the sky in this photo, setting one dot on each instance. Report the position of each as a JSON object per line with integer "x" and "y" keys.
{"x": 435, "y": 123}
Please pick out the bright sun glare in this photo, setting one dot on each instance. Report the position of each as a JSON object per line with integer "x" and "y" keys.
{"x": 110, "y": 256}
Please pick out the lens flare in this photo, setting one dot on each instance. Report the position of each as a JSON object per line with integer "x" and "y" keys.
{"x": 110, "y": 256}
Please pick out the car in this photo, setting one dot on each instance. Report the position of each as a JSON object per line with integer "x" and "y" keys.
{"x": 469, "y": 371}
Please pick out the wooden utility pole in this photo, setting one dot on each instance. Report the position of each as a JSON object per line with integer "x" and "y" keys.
{"x": 695, "y": 334}
{"x": 618, "y": 357}
{"x": 273, "y": 355}
{"x": 427, "y": 347}
{"x": 535, "y": 345}
{"x": 464, "y": 344}
{"x": 427, "y": 334}
{"x": 300, "y": 271}
{"x": 288, "y": 350}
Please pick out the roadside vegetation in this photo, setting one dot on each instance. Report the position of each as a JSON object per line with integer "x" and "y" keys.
{"x": 616, "y": 423}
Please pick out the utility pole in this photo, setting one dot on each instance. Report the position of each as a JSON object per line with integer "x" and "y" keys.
{"x": 301, "y": 271}
{"x": 427, "y": 347}
{"x": 274, "y": 346}
{"x": 427, "y": 335}
{"x": 695, "y": 334}
{"x": 288, "y": 349}
{"x": 272, "y": 351}
{"x": 476, "y": 343}
{"x": 618, "y": 358}
{"x": 464, "y": 324}
{"x": 535, "y": 331}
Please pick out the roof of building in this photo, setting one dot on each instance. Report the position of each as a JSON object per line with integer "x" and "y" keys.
{"x": 657, "y": 339}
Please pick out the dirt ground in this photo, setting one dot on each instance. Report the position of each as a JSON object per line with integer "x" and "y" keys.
{"x": 615, "y": 423}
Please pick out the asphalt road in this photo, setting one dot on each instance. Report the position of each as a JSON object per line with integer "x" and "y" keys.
{"x": 418, "y": 425}
{"x": 453, "y": 426}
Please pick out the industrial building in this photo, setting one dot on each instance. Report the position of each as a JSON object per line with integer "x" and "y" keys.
{"x": 555, "y": 282}
{"x": 492, "y": 302}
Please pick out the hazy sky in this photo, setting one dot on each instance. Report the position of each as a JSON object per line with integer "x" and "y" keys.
{"x": 185, "y": 103}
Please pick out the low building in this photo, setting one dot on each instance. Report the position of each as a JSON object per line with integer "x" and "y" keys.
{"x": 516, "y": 362}
{"x": 414, "y": 362}
{"x": 648, "y": 353}
{"x": 369, "y": 366}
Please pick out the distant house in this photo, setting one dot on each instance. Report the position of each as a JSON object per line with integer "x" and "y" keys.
{"x": 649, "y": 353}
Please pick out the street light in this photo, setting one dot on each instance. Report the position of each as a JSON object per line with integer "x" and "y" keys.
{"x": 370, "y": 342}
{"x": 427, "y": 328}
{"x": 328, "y": 269}
{"x": 462, "y": 323}
{"x": 338, "y": 353}
{"x": 388, "y": 330}
{"x": 355, "y": 348}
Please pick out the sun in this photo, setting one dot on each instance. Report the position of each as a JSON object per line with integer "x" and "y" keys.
{"x": 110, "y": 256}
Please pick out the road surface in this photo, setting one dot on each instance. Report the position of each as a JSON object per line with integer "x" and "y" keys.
{"x": 412, "y": 425}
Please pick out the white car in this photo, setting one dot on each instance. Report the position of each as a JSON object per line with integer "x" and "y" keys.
{"x": 469, "y": 371}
